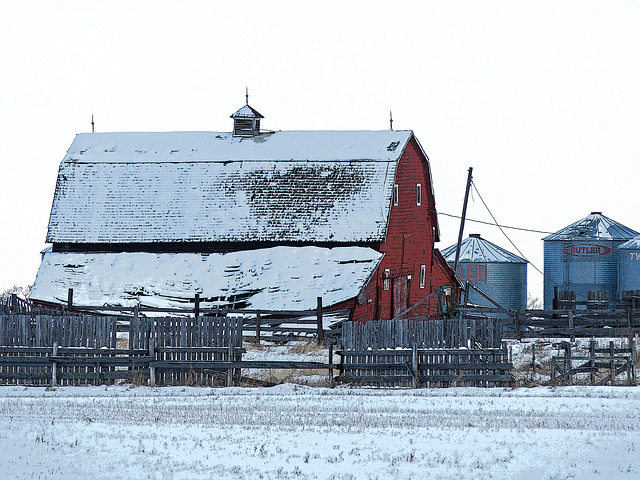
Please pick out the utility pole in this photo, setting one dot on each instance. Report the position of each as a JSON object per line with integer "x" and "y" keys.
{"x": 464, "y": 214}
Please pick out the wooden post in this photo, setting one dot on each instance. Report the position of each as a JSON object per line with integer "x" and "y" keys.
{"x": 54, "y": 367}
{"x": 230, "y": 371}
{"x": 568, "y": 362}
{"x": 592, "y": 359}
{"x": 152, "y": 368}
{"x": 518, "y": 333}
{"x": 632, "y": 347}
{"x": 258, "y": 327}
{"x": 571, "y": 326}
{"x": 197, "y": 307}
{"x": 319, "y": 319}
{"x": 331, "y": 385}
{"x": 414, "y": 362}
{"x": 135, "y": 331}
{"x": 612, "y": 363}
{"x": 70, "y": 299}
{"x": 533, "y": 358}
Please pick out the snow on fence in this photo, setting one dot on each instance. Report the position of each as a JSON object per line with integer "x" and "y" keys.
{"x": 414, "y": 353}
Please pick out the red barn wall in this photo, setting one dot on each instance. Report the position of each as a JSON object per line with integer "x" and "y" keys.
{"x": 409, "y": 245}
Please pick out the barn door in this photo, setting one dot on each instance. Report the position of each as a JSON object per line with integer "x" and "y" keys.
{"x": 400, "y": 290}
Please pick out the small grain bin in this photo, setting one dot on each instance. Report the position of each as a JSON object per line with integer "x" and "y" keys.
{"x": 497, "y": 272}
{"x": 629, "y": 267}
{"x": 583, "y": 258}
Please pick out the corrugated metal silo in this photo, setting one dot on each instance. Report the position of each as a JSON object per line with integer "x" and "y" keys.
{"x": 629, "y": 266}
{"x": 583, "y": 257}
{"x": 497, "y": 272}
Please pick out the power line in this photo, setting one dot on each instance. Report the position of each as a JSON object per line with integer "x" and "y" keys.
{"x": 495, "y": 224}
{"x": 501, "y": 229}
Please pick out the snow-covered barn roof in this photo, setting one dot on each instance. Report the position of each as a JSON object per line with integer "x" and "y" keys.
{"x": 278, "y": 278}
{"x": 321, "y": 186}
{"x": 594, "y": 226}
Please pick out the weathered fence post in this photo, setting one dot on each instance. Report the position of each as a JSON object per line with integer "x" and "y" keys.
{"x": 331, "y": 385}
{"x": 632, "y": 347}
{"x": 533, "y": 358}
{"x": 152, "y": 359}
{"x": 414, "y": 364}
{"x": 592, "y": 360}
{"x": 54, "y": 367}
{"x": 319, "y": 319}
{"x": 70, "y": 299}
{"x": 612, "y": 363}
{"x": 571, "y": 326}
{"x": 230, "y": 370}
{"x": 570, "y": 362}
{"x": 518, "y": 333}
{"x": 197, "y": 306}
{"x": 258, "y": 327}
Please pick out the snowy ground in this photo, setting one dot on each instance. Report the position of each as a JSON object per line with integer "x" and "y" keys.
{"x": 292, "y": 431}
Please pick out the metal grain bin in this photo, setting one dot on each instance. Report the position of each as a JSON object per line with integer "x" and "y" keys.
{"x": 629, "y": 266}
{"x": 497, "y": 272}
{"x": 583, "y": 258}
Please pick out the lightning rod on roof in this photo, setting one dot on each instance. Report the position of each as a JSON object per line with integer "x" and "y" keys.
{"x": 247, "y": 94}
{"x": 390, "y": 121}
{"x": 92, "y": 125}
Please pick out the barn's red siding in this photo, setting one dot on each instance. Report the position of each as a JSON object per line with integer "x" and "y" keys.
{"x": 409, "y": 245}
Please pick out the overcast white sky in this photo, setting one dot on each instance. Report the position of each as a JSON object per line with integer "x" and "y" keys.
{"x": 540, "y": 98}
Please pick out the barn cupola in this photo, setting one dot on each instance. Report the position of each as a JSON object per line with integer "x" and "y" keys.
{"x": 246, "y": 121}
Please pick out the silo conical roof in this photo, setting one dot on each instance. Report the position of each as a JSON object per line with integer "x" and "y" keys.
{"x": 594, "y": 226}
{"x": 632, "y": 244}
{"x": 476, "y": 249}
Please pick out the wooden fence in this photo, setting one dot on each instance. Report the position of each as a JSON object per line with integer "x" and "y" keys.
{"x": 404, "y": 333}
{"x": 424, "y": 353}
{"x": 73, "y": 350}
{"x": 613, "y": 361}
{"x": 67, "y": 331}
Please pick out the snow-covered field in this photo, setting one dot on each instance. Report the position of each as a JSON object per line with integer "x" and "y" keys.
{"x": 299, "y": 432}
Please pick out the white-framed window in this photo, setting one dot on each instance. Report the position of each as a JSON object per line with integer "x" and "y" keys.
{"x": 395, "y": 194}
{"x": 386, "y": 282}
{"x": 418, "y": 194}
{"x": 423, "y": 275}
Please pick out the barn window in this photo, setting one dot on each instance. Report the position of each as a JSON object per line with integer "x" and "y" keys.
{"x": 419, "y": 194}
{"x": 395, "y": 194}
{"x": 423, "y": 275}
{"x": 386, "y": 281}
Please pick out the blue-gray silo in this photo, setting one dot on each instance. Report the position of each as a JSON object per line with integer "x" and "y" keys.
{"x": 583, "y": 257}
{"x": 498, "y": 273}
{"x": 629, "y": 266}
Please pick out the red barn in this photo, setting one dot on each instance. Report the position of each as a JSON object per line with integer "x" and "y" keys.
{"x": 254, "y": 219}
